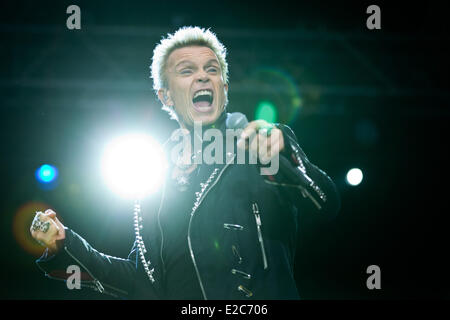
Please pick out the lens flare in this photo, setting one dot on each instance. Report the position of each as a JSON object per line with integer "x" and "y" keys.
{"x": 21, "y": 227}
{"x": 133, "y": 166}
{"x": 278, "y": 94}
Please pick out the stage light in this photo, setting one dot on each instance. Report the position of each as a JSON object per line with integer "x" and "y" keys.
{"x": 133, "y": 166}
{"x": 354, "y": 177}
{"x": 266, "y": 110}
{"x": 46, "y": 173}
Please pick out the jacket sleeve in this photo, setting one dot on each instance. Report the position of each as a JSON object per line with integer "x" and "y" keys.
{"x": 101, "y": 272}
{"x": 307, "y": 186}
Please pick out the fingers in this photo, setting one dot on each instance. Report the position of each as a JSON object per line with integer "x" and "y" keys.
{"x": 252, "y": 128}
{"x": 250, "y": 132}
{"x": 61, "y": 230}
{"x": 262, "y": 139}
{"x": 275, "y": 142}
{"x": 264, "y": 148}
{"x": 262, "y": 145}
{"x": 49, "y": 216}
{"x": 45, "y": 228}
{"x": 43, "y": 217}
{"x": 258, "y": 145}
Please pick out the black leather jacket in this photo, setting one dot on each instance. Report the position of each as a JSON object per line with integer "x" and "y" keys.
{"x": 242, "y": 235}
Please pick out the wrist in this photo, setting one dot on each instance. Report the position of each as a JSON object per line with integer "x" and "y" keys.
{"x": 55, "y": 247}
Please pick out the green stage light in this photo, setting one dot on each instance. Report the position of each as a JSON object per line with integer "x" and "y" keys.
{"x": 266, "y": 110}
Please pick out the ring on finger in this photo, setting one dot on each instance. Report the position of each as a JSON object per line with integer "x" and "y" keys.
{"x": 36, "y": 225}
{"x": 40, "y": 225}
{"x": 44, "y": 226}
{"x": 267, "y": 130}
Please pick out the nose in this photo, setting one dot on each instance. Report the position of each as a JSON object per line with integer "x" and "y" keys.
{"x": 202, "y": 77}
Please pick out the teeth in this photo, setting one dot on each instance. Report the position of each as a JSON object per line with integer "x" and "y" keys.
{"x": 202, "y": 92}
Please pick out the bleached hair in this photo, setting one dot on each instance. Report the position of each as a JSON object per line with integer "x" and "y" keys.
{"x": 184, "y": 37}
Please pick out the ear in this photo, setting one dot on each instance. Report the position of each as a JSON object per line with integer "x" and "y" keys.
{"x": 225, "y": 86}
{"x": 164, "y": 97}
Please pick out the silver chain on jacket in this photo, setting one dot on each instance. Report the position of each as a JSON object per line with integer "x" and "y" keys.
{"x": 140, "y": 242}
{"x": 138, "y": 226}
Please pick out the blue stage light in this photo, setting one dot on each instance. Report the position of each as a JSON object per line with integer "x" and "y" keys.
{"x": 46, "y": 173}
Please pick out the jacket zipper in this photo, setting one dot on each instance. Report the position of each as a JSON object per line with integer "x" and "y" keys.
{"x": 159, "y": 220}
{"x": 97, "y": 283}
{"x": 161, "y": 229}
{"x": 84, "y": 283}
{"x": 189, "y": 229}
{"x": 260, "y": 237}
{"x": 304, "y": 192}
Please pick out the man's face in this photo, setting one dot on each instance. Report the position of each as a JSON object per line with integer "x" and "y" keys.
{"x": 196, "y": 88}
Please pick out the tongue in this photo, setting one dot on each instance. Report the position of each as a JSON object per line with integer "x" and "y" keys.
{"x": 202, "y": 104}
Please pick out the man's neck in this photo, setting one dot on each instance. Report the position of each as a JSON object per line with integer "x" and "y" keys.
{"x": 218, "y": 124}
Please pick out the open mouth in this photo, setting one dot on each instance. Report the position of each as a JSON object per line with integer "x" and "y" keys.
{"x": 202, "y": 100}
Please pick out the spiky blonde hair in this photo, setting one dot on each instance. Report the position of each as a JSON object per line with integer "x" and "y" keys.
{"x": 184, "y": 37}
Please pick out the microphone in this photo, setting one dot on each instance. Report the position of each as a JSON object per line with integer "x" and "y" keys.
{"x": 237, "y": 120}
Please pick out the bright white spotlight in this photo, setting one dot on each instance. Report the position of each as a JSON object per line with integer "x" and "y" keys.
{"x": 134, "y": 166}
{"x": 354, "y": 176}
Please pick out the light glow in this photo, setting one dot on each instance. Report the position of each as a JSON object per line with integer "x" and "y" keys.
{"x": 354, "y": 177}
{"x": 266, "y": 110}
{"x": 133, "y": 166}
{"x": 46, "y": 173}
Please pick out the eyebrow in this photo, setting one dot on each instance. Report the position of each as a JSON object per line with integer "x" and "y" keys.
{"x": 210, "y": 61}
{"x": 183, "y": 62}
{"x": 188, "y": 62}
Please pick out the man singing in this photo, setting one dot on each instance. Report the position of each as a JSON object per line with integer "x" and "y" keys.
{"x": 217, "y": 230}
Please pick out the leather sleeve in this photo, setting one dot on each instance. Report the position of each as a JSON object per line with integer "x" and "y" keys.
{"x": 103, "y": 273}
{"x": 316, "y": 191}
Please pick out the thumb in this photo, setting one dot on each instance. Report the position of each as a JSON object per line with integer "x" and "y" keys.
{"x": 50, "y": 213}
{"x": 58, "y": 223}
{"x": 61, "y": 230}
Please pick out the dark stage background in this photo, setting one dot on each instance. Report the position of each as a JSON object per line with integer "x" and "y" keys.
{"x": 373, "y": 99}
